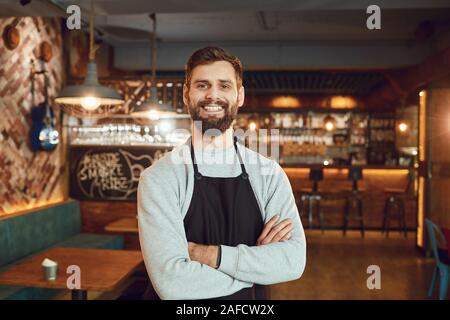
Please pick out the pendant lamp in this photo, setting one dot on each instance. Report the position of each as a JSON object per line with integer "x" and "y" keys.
{"x": 89, "y": 98}
{"x": 152, "y": 108}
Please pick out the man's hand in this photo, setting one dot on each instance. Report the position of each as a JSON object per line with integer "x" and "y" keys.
{"x": 203, "y": 253}
{"x": 274, "y": 233}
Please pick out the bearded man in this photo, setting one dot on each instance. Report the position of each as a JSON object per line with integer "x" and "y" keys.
{"x": 217, "y": 225}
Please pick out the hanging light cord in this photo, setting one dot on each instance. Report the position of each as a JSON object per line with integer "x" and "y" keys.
{"x": 92, "y": 49}
{"x": 153, "y": 48}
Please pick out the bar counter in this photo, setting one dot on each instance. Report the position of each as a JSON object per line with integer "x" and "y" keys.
{"x": 374, "y": 187}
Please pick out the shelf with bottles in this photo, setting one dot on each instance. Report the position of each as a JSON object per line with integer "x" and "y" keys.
{"x": 358, "y": 129}
{"x": 115, "y": 134}
{"x": 382, "y": 136}
{"x": 303, "y": 134}
{"x": 304, "y": 121}
{"x": 382, "y": 129}
{"x": 384, "y": 121}
{"x": 384, "y": 155}
{"x": 318, "y": 129}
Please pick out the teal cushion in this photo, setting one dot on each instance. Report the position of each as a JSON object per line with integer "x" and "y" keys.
{"x": 89, "y": 240}
{"x": 21, "y": 293}
{"x": 38, "y": 230}
{"x": 4, "y": 243}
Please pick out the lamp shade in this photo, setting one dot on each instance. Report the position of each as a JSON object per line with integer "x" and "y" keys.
{"x": 91, "y": 94}
{"x": 152, "y": 109}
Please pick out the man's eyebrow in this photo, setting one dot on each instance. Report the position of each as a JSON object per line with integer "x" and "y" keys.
{"x": 201, "y": 81}
{"x": 208, "y": 81}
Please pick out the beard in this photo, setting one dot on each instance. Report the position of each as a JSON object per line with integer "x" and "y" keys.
{"x": 213, "y": 122}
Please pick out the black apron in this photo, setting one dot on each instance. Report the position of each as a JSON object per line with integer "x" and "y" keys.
{"x": 225, "y": 211}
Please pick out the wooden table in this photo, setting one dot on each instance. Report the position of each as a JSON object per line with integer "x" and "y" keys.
{"x": 125, "y": 225}
{"x": 101, "y": 270}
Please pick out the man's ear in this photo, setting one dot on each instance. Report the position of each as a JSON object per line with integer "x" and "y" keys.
{"x": 185, "y": 94}
{"x": 241, "y": 96}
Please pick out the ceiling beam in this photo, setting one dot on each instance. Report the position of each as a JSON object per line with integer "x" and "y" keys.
{"x": 113, "y": 7}
{"x": 310, "y": 55}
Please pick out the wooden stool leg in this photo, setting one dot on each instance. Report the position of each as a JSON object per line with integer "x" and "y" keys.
{"x": 403, "y": 216}
{"x": 361, "y": 216}
{"x": 346, "y": 216}
{"x": 388, "y": 215}
{"x": 385, "y": 214}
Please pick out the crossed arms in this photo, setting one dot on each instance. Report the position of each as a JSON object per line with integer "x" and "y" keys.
{"x": 180, "y": 270}
{"x": 272, "y": 232}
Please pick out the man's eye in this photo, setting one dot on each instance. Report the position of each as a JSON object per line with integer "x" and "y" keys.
{"x": 201, "y": 86}
{"x": 225, "y": 86}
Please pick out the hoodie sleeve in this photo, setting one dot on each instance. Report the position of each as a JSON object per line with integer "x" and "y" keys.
{"x": 165, "y": 247}
{"x": 275, "y": 262}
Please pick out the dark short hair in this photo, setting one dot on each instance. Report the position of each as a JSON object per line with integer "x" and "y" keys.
{"x": 209, "y": 55}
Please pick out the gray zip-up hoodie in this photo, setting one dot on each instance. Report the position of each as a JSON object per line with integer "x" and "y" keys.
{"x": 164, "y": 194}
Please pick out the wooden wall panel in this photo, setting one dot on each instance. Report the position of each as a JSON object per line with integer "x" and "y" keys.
{"x": 440, "y": 156}
{"x": 97, "y": 214}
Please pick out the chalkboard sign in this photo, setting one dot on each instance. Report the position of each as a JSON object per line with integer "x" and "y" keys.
{"x": 109, "y": 173}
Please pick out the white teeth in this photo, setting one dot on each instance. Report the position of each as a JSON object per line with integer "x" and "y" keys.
{"x": 213, "y": 107}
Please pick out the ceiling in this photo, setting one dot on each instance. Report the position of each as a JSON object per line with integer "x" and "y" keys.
{"x": 250, "y": 20}
{"x": 352, "y": 83}
{"x": 342, "y": 25}
{"x": 311, "y": 82}
{"x": 297, "y": 39}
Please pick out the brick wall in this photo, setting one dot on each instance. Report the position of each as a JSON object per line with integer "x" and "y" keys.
{"x": 28, "y": 179}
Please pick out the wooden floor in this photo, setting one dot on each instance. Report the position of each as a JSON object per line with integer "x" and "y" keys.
{"x": 336, "y": 268}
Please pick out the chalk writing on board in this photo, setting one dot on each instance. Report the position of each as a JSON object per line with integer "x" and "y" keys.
{"x": 111, "y": 174}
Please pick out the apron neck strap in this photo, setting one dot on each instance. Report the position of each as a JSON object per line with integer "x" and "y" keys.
{"x": 244, "y": 172}
{"x": 198, "y": 175}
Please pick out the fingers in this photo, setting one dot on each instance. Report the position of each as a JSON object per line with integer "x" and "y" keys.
{"x": 267, "y": 227}
{"x": 275, "y": 230}
{"x": 282, "y": 233}
{"x": 191, "y": 246}
{"x": 287, "y": 236}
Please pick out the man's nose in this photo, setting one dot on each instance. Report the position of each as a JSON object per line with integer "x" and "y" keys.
{"x": 212, "y": 93}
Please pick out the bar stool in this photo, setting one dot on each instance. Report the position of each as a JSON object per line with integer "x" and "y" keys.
{"x": 395, "y": 207}
{"x": 354, "y": 201}
{"x": 313, "y": 195}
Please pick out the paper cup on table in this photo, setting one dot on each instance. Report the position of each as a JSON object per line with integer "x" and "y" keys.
{"x": 50, "y": 269}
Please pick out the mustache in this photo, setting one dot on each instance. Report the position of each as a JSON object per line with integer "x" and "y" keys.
{"x": 206, "y": 102}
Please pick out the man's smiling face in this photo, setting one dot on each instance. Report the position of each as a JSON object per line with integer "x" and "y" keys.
{"x": 213, "y": 96}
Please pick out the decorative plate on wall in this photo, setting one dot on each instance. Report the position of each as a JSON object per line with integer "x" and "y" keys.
{"x": 46, "y": 51}
{"x": 11, "y": 35}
